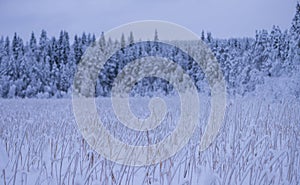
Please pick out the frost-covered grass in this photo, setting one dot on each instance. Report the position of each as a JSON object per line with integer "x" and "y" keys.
{"x": 258, "y": 144}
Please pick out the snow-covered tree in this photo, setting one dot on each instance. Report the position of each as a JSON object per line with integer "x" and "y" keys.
{"x": 123, "y": 42}
{"x": 156, "y": 39}
{"x": 294, "y": 48}
{"x": 131, "y": 38}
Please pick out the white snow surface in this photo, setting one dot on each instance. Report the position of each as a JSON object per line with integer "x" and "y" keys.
{"x": 257, "y": 144}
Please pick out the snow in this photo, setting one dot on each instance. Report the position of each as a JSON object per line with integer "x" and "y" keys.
{"x": 3, "y": 158}
{"x": 257, "y": 144}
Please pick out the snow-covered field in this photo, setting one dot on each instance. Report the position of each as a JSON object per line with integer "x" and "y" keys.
{"x": 40, "y": 142}
{"x": 257, "y": 144}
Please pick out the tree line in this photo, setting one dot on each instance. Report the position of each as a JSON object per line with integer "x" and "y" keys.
{"x": 44, "y": 67}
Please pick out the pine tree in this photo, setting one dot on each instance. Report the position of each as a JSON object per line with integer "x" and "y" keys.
{"x": 2, "y": 56}
{"x": 77, "y": 48}
{"x": 131, "y": 39}
{"x": 63, "y": 60}
{"x": 123, "y": 42}
{"x": 209, "y": 37}
{"x": 43, "y": 45}
{"x": 17, "y": 56}
{"x": 294, "y": 46}
{"x": 32, "y": 69}
{"x": 276, "y": 44}
{"x": 63, "y": 47}
{"x": 7, "y": 46}
{"x": 18, "y": 67}
{"x": 262, "y": 52}
{"x": 93, "y": 40}
{"x": 33, "y": 48}
{"x": 5, "y": 67}
{"x": 2, "y": 69}
{"x": 295, "y": 29}
{"x": 102, "y": 42}
{"x": 156, "y": 36}
{"x": 202, "y": 35}
{"x": 33, "y": 43}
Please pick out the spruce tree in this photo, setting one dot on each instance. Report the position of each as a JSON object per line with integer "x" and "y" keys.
{"x": 131, "y": 39}
{"x": 123, "y": 42}
{"x": 156, "y": 36}
{"x": 295, "y": 29}
{"x": 202, "y": 35}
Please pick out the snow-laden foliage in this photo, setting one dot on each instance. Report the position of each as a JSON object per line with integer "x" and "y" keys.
{"x": 45, "y": 67}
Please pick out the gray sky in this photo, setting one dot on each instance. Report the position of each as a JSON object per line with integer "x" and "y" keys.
{"x": 224, "y": 18}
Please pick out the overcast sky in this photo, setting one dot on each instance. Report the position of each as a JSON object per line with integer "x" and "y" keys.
{"x": 224, "y": 18}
